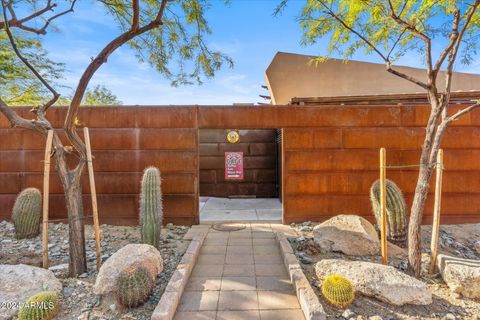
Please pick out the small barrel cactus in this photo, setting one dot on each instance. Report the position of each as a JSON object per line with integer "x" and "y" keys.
{"x": 151, "y": 211}
{"x": 134, "y": 287}
{"x": 42, "y": 306}
{"x": 26, "y": 213}
{"x": 396, "y": 210}
{"x": 338, "y": 290}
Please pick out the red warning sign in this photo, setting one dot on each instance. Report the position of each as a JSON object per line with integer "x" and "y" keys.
{"x": 233, "y": 165}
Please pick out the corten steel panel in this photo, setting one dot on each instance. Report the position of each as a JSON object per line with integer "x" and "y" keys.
{"x": 352, "y": 182}
{"x": 408, "y": 138}
{"x": 312, "y": 138}
{"x": 117, "y": 182}
{"x": 326, "y": 205}
{"x": 315, "y": 154}
{"x": 10, "y": 183}
{"x": 295, "y": 116}
{"x": 418, "y": 116}
{"x": 107, "y": 160}
{"x": 367, "y": 159}
{"x": 136, "y": 137}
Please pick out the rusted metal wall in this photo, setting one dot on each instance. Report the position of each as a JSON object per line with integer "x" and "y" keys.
{"x": 330, "y": 157}
{"x": 260, "y": 163}
{"x": 124, "y": 142}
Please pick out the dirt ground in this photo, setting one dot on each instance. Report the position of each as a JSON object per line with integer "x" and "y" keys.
{"x": 457, "y": 240}
{"x": 78, "y": 300}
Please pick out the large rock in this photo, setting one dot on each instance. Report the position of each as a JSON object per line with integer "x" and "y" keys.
{"x": 132, "y": 255}
{"x": 461, "y": 275}
{"x": 379, "y": 281}
{"x": 350, "y": 234}
{"x": 19, "y": 282}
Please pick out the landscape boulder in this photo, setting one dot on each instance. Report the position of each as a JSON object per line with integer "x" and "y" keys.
{"x": 379, "y": 281}
{"x": 131, "y": 255}
{"x": 349, "y": 234}
{"x": 461, "y": 275}
{"x": 19, "y": 282}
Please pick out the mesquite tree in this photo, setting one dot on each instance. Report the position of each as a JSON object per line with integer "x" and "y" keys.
{"x": 389, "y": 29}
{"x": 168, "y": 34}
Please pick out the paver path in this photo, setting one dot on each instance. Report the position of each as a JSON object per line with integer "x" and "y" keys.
{"x": 240, "y": 275}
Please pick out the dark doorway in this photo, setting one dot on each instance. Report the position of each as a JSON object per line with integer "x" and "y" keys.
{"x": 260, "y": 154}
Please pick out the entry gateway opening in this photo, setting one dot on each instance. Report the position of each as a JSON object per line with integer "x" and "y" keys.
{"x": 240, "y": 175}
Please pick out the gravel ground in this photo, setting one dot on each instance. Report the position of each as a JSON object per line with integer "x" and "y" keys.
{"x": 457, "y": 240}
{"x": 78, "y": 301}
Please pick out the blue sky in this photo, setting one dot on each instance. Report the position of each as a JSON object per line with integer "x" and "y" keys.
{"x": 246, "y": 30}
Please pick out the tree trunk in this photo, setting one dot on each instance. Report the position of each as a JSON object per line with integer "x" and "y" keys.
{"x": 416, "y": 214}
{"x": 73, "y": 200}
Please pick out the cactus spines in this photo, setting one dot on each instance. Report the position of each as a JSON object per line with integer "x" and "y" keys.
{"x": 26, "y": 213}
{"x": 395, "y": 210}
{"x": 151, "y": 211}
{"x": 42, "y": 306}
{"x": 134, "y": 286}
{"x": 338, "y": 290}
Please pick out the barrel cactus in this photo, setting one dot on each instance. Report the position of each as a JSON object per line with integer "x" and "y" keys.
{"x": 42, "y": 306}
{"x": 151, "y": 212}
{"x": 396, "y": 210}
{"x": 338, "y": 290}
{"x": 26, "y": 213}
{"x": 134, "y": 287}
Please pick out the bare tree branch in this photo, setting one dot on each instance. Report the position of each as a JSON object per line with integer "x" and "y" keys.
{"x": 96, "y": 63}
{"x": 462, "y": 112}
{"x": 451, "y": 43}
{"x": 55, "y": 94}
{"x": 135, "y": 17}
{"x": 20, "y": 23}
{"x": 416, "y": 33}
{"x": 395, "y": 43}
{"x": 407, "y": 77}
{"x": 452, "y": 55}
{"x": 40, "y": 12}
{"x": 18, "y": 122}
{"x": 49, "y": 20}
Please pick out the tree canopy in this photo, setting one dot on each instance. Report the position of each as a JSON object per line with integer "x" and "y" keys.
{"x": 18, "y": 85}
{"x": 389, "y": 28}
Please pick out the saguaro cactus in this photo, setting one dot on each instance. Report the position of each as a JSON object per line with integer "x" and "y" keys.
{"x": 151, "y": 211}
{"x": 395, "y": 209}
{"x": 338, "y": 290}
{"x": 134, "y": 287}
{"x": 26, "y": 213}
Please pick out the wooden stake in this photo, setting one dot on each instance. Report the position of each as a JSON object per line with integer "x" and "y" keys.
{"x": 436, "y": 211}
{"x": 94, "y": 196}
{"x": 46, "y": 183}
{"x": 383, "y": 203}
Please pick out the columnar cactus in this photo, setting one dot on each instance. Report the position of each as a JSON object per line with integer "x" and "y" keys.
{"x": 338, "y": 290}
{"x": 135, "y": 285}
{"x": 395, "y": 210}
{"x": 151, "y": 211}
{"x": 26, "y": 213}
{"x": 42, "y": 306}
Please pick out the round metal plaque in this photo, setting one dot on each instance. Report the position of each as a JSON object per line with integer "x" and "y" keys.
{"x": 233, "y": 136}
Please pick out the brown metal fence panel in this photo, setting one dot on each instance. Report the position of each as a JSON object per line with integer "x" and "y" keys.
{"x": 330, "y": 158}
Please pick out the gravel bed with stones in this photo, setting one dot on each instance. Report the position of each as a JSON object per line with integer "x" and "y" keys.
{"x": 79, "y": 301}
{"x": 457, "y": 240}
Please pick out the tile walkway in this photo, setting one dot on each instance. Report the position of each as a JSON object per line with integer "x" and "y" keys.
{"x": 240, "y": 275}
{"x": 224, "y": 209}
